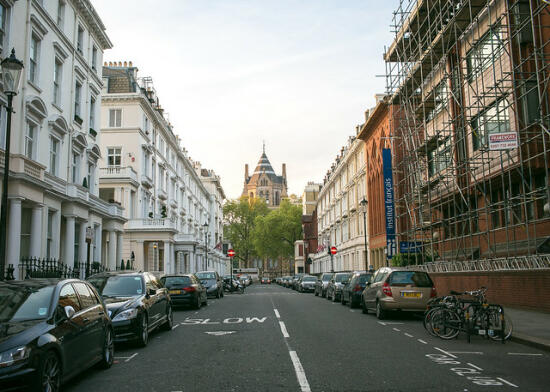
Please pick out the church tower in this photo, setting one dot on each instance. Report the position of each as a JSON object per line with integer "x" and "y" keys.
{"x": 265, "y": 183}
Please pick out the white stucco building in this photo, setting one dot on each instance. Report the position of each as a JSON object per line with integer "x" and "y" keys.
{"x": 53, "y": 187}
{"x": 144, "y": 168}
{"x": 340, "y": 220}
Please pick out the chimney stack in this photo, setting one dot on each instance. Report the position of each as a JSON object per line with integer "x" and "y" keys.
{"x": 246, "y": 171}
{"x": 284, "y": 170}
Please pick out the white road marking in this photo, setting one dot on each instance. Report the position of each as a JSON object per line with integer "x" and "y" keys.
{"x": 421, "y": 341}
{"x": 409, "y": 335}
{"x": 475, "y": 367}
{"x": 507, "y": 382}
{"x": 131, "y": 357}
{"x": 283, "y": 329}
{"x": 397, "y": 329}
{"x": 446, "y": 353}
{"x": 300, "y": 373}
{"x": 352, "y": 311}
{"x": 392, "y": 323}
{"x": 277, "y": 313}
{"x": 381, "y": 323}
{"x": 220, "y": 333}
{"x": 527, "y": 354}
{"x": 467, "y": 352}
{"x": 175, "y": 326}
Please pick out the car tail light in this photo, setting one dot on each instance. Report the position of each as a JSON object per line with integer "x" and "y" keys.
{"x": 386, "y": 289}
{"x": 357, "y": 288}
{"x": 433, "y": 293}
{"x": 189, "y": 289}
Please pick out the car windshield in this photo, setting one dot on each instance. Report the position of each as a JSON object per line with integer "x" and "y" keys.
{"x": 206, "y": 275}
{"x": 309, "y": 279}
{"x": 341, "y": 277}
{"x": 118, "y": 286}
{"x": 172, "y": 281}
{"x": 403, "y": 278}
{"x": 24, "y": 303}
{"x": 364, "y": 278}
{"x": 326, "y": 277}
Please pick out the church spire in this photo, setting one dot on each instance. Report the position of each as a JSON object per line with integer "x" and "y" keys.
{"x": 264, "y": 146}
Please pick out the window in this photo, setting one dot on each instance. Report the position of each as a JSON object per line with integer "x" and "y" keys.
{"x": 54, "y": 156}
{"x": 86, "y": 297}
{"x": 92, "y": 113}
{"x": 115, "y": 118}
{"x": 91, "y": 179}
{"x": 3, "y": 25}
{"x": 440, "y": 157}
{"x": 483, "y": 54}
{"x": 441, "y": 99}
{"x": 76, "y": 167}
{"x": 495, "y": 209}
{"x": 67, "y": 297}
{"x": 145, "y": 123}
{"x": 34, "y": 58}
{"x": 77, "y": 95}
{"x": 80, "y": 40}
{"x": 94, "y": 57}
{"x": 494, "y": 119}
{"x": 30, "y": 137}
{"x": 114, "y": 157}
{"x": 60, "y": 14}
{"x": 57, "y": 71}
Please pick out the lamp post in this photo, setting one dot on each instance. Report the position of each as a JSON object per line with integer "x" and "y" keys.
{"x": 11, "y": 76}
{"x": 364, "y": 204}
{"x": 205, "y": 245}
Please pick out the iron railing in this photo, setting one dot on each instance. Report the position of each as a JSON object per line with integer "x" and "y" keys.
{"x": 519, "y": 263}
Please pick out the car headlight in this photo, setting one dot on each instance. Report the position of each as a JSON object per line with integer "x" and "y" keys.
{"x": 14, "y": 356}
{"x": 126, "y": 315}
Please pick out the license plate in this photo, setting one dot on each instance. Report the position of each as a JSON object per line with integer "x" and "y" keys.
{"x": 175, "y": 291}
{"x": 410, "y": 295}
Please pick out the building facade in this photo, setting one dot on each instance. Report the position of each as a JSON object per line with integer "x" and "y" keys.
{"x": 309, "y": 225}
{"x": 265, "y": 183}
{"x": 53, "y": 187}
{"x": 340, "y": 220}
{"x": 170, "y": 212}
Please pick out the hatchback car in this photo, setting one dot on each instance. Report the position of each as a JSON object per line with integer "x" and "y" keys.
{"x": 322, "y": 283}
{"x": 51, "y": 330}
{"x": 336, "y": 284}
{"x": 185, "y": 290}
{"x": 137, "y": 303}
{"x": 351, "y": 293}
{"x": 265, "y": 280}
{"x": 393, "y": 289}
{"x": 213, "y": 283}
{"x": 307, "y": 283}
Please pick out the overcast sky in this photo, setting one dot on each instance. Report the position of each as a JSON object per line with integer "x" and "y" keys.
{"x": 298, "y": 74}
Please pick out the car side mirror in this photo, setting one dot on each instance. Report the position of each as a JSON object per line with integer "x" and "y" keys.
{"x": 69, "y": 311}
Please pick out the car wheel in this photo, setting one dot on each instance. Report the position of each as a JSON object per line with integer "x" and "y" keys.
{"x": 169, "y": 323}
{"x": 108, "y": 350}
{"x": 198, "y": 303}
{"x": 364, "y": 306}
{"x": 143, "y": 337}
{"x": 380, "y": 314}
{"x": 49, "y": 375}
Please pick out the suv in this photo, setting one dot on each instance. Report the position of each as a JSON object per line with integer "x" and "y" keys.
{"x": 351, "y": 293}
{"x": 321, "y": 284}
{"x": 213, "y": 283}
{"x": 394, "y": 288}
{"x": 336, "y": 284}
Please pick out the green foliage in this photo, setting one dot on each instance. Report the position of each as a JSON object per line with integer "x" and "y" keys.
{"x": 404, "y": 259}
{"x": 163, "y": 212}
{"x": 240, "y": 216}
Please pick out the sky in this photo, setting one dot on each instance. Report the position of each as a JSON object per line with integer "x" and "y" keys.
{"x": 233, "y": 74}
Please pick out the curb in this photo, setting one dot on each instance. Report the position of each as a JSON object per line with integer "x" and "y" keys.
{"x": 542, "y": 344}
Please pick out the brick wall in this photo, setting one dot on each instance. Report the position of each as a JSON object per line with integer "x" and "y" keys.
{"x": 522, "y": 289}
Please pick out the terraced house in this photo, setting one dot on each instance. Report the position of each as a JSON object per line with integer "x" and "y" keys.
{"x": 53, "y": 187}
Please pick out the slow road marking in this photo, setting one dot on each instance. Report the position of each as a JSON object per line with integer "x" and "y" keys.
{"x": 220, "y": 333}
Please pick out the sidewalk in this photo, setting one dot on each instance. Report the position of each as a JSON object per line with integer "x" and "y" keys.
{"x": 530, "y": 327}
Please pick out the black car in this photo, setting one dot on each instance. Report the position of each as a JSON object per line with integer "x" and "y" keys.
{"x": 185, "y": 290}
{"x": 50, "y": 330}
{"x": 137, "y": 303}
{"x": 353, "y": 290}
{"x": 213, "y": 283}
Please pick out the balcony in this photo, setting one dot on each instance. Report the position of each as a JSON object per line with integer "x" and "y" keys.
{"x": 21, "y": 164}
{"x": 157, "y": 224}
{"x": 173, "y": 203}
{"x": 161, "y": 193}
{"x": 118, "y": 174}
{"x": 78, "y": 192}
{"x": 146, "y": 181}
{"x": 184, "y": 238}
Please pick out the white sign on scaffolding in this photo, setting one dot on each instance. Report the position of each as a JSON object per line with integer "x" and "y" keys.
{"x": 503, "y": 141}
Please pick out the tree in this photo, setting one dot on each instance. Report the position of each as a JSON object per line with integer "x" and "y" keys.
{"x": 240, "y": 216}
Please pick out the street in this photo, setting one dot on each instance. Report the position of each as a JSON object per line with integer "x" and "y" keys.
{"x": 275, "y": 339}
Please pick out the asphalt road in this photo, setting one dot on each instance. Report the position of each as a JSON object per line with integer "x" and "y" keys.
{"x": 275, "y": 339}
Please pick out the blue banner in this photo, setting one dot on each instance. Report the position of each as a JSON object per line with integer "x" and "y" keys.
{"x": 410, "y": 246}
{"x": 388, "y": 203}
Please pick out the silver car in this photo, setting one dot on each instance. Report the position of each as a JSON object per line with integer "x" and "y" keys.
{"x": 336, "y": 284}
{"x": 306, "y": 283}
{"x": 322, "y": 283}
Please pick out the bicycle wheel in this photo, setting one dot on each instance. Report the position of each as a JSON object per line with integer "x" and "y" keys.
{"x": 495, "y": 324}
{"x": 445, "y": 323}
{"x": 427, "y": 321}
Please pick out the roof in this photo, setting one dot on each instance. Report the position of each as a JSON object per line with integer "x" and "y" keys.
{"x": 120, "y": 79}
{"x": 264, "y": 167}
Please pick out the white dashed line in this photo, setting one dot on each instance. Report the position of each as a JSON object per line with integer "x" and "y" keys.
{"x": 300, "y": 373}
{"x": 131, "y": 357}
{"x": 467, "y": 352}
{"x": 277, "y": 313}
{"x": 352, "y": 311}
{"x": 475, "y": 367}
{"x": 526, "y": 354}
{"x": 175, "y": 326}
{"x": 397, "y": 329}
{"x": 409, "y": 335}
{"x": 507, "y": 382}
{"x": 283, "y": 329}
{"x": 381, "y": 323}
{"x": 421, "y": 341}
{"x": 446, "y": 352}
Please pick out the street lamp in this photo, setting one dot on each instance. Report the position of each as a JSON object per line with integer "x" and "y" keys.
{"x": 11, "y": 77}
{"x": 364, "y": 204}
{"x": 205, "y": 245}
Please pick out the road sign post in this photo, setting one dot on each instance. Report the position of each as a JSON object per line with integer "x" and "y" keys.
{"x": 231, "y": 254}
{"x": 333, "y": 251}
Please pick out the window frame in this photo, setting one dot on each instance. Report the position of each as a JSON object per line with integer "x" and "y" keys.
{"x": 113, "y": 117}
{"x": 114, "y": 154}
{"x": 34, "y": 59}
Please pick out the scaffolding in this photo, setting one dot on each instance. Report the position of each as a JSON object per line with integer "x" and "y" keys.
{"x": 469, "y": 84}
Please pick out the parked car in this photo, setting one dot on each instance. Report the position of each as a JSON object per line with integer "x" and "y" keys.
{"x": 265, "y": 280}
{"x": 286, "y": 281}
{"x": 322, "y": 283}
{"x": 307, "y": 283}
{"x": 137, "y": 303}
{"x": 213, "y": 283}
{"x": 295, "y": 279}
{"x": 186, "y": 290}
{"x": 51, "y": 330}
{"x": 351, "y": 293}
{"x": 336, "y": 284}
{"x": 393, "y": 288}
{"x": 246, "y": 280}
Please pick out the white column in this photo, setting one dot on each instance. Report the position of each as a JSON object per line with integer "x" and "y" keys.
{"x": 112, "y": 251}
{"x": 167, "y": 258}
{"x": 97, "y": 243}
{"x": 36, "y": 231}
{"x": 82, "y": 245}
{"x": 69, "y": 241}
{"x": 14, "y": 235}
{"x": 56, "y": 235}
{"x": 119, "y": 248}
